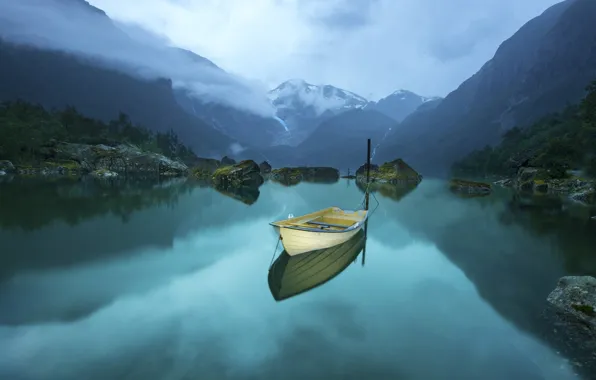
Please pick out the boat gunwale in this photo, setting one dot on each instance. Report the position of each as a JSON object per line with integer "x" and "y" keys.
{"x": 354, "y": 226}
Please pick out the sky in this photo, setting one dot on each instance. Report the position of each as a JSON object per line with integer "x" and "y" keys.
{"x": 370, "y": 47}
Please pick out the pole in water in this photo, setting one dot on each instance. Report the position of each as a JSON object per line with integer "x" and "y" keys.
{"x": 368, "y": 161}
{"x": 366, "y": 197}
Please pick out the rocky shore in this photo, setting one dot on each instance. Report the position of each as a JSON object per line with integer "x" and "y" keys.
{"x": 97, "y": 160}
{"x": 538, "y": 180}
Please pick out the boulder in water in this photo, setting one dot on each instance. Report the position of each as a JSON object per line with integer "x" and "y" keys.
{"x": 461, "y": 186}
{"x": 395, "y": 172}
{"x": 244, "y": 173}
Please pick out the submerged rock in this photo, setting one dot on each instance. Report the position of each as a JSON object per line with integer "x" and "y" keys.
{"x": 244, "y": 173}
{"x": 469, "y": 187}
{"x": 395, "y": 172}
{"x": 6, "y": 166}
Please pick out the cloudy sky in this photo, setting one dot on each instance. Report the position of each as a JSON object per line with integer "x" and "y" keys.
{"x": 371, "y": 47}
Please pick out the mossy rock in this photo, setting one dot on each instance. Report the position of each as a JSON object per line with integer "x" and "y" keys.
{"x": 70, "y": 165}
{"x": 586, "y": 309}
{"x": 469, "y": 187}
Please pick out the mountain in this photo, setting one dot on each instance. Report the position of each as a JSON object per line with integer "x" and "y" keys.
{"x": 339, "y": 141}
{"x": 303, "y": 106}
{"x": 57, "y": 80}
{"x": 399, "y": 104}
{"x": 101, "y": 88}
{"x": 543, "y": 67}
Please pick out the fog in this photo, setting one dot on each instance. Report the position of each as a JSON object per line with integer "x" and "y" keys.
{"x": 77, "y": 28}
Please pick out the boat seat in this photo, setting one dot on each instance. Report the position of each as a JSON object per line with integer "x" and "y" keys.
{"x": 329, "y": 224}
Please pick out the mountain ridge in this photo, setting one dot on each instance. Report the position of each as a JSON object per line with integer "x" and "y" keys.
{"x": 541, "y": 68}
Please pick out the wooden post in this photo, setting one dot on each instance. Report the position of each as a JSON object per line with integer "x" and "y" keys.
{"x": 366, "y": 197}
{"x": 368, "y": 161}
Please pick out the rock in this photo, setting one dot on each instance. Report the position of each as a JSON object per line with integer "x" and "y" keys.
{"x": 102, "y": 173}
{"x": 504, "y": 182}
{"x": 265, "y": 167}
{"x": 320, "y": 174}
{"x": 395, "y": 172}
{"x": 226, "y": 161}
{"x": 469, "y": 187}
{"x": 245, "y": 173}
{"x": 571, "y": 321}
{"x": 587, "y": 196}
{"x": 576, "y": 295}
{"x": 6, "y": 166}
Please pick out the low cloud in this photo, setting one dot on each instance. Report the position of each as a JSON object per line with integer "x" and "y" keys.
{"x": 77, "y": 28}
{"x": 236, "y": 148}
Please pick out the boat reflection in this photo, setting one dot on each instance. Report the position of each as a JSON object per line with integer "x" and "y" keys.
{"x": 293, "y": 275}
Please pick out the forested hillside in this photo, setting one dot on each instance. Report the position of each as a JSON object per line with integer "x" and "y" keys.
{"x": 559, "y": 142}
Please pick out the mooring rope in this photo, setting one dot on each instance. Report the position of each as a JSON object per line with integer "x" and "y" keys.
{"x": 274, "y": 252}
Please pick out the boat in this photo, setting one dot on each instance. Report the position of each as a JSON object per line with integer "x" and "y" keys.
{"x": 293, "y": 275}
{"x": 319, "y": 230}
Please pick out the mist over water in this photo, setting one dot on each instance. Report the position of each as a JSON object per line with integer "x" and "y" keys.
{"x": 200, "y": 306}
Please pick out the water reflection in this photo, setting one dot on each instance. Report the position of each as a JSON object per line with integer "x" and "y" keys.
{"x": 293, "y": 275}
{"x": 446, "y": 289}
{"x": 387, "y": 190}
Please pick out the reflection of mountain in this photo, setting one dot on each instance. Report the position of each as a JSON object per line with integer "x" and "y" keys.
{"x": 500, "y": 258}
{"x": 293, "y": 275}
{"x": 48, "y": 224}
{"x": 33, "y": 204}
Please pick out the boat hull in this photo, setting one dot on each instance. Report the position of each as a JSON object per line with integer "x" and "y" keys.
{"x": 296, "y": 241}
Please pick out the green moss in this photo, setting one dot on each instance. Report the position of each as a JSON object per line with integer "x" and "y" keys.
{"x": 586, "y": 309}
{"x": 67, "y": 164}
{"x": 287, "y": 172}
{"x": 223, "y": 171}
{"x": 463, "y": 183}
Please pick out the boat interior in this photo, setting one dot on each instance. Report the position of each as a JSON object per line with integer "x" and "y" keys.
{"x": 331, "y": 219}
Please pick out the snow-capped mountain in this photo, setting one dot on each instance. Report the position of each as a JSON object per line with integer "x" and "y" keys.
{"x": 400, "y": 104}
{"x": 296, "y": 97}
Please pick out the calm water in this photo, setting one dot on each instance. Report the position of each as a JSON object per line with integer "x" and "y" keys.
{"x": 170, "y": 282}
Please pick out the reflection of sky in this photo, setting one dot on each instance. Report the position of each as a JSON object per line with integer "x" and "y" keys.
{"x": 202, "y": 309}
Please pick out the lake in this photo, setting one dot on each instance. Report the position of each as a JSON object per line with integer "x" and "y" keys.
{"x": 169, "y": 281}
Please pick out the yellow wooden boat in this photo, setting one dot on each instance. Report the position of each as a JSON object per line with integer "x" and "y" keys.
{"x": 319, "y": 230}
{"x": 293, "y": 275}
